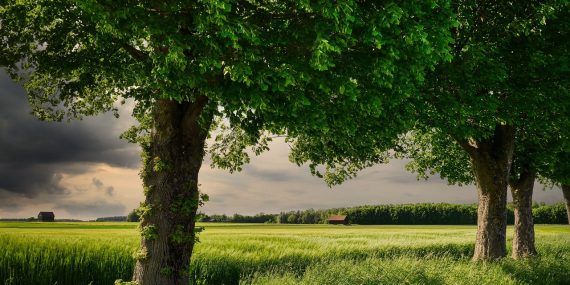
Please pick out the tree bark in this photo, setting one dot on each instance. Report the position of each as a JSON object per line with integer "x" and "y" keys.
{"x": 492, "y": 209}
{"x": 171, "y": 162}
{"x": 491, "y": 160}
{"x": 566, "y": 193}
{"x": 523, "y": 238}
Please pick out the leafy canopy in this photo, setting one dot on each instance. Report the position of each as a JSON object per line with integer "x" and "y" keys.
{"x": 339, "y": 78}
{"x": 510, "y": 67}
{"x": 292, "y": 67}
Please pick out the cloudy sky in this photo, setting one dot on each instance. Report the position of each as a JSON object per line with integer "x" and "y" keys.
{"x": 82, "y": 170}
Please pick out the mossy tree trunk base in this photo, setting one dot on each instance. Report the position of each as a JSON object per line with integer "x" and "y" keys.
{"x": 523, "y": 237}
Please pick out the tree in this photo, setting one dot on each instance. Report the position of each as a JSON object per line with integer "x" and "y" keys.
{"x": 521, "y": 183}
{"x": 279, "y": 66}
{"x": 533, "y": 156}
{"x": 509, "y": 73}
{"x": 537, "y": 71}
{"x": 509, "y": 76}
{"x": 536, "y": 151}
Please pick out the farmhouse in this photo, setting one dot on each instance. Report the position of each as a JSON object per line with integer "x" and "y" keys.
{"x": 338, "y": 220}
{"x": 46, "y": 217}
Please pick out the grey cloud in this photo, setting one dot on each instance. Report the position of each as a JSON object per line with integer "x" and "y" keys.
{"x": 34, "y": 154}
{"x": 402, "y": 177}
{"x": 92, "y": 208}
{"x": 237, "y": 180}
{"x": 98, "y": 184}
{"x": 273, "y": 175}
{"x": 228, "y": 195}
{"x": 8, "y": 202}
{"x": 295, "y": 191}
{"x": 30, "y": 180}
{"x": 405, "y": 179}
{"x": 110, "y": 191}
{"x": 218, "y": 200}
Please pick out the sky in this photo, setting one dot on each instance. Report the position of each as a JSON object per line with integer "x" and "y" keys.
{"x": 82, "y": 170}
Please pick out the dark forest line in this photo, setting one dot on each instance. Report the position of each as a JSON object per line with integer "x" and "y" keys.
{"x": 403, "y": 214}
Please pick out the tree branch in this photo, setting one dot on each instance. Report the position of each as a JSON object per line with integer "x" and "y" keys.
{"x": 194, "y": 109}
{"x": 470, "y": 149}
{"x": 135, "y": 53}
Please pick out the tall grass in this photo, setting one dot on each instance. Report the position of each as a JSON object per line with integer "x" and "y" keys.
{"x": 65, "y": 253}
{"x": 281, "y": 254}
{"x": 433, "y": 270}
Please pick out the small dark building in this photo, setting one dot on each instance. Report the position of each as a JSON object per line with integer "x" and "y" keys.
{"x": 46, "y": 217}
{"x": 338, "y": 220}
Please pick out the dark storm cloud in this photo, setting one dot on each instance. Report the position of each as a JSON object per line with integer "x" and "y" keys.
{"x": 35, "y": 154}
{"x": 29, "y": 179}
{"x": 7, "y": 202}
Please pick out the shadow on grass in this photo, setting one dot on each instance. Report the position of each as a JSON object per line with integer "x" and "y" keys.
{"x": 538, "y": 270}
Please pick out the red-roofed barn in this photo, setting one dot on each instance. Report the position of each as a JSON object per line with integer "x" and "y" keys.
{"x": 338, "y": 220}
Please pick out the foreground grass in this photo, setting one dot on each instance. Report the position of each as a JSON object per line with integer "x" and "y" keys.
{"x": 80, "y": 253}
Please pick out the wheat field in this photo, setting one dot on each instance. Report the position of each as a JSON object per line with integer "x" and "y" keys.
{"x": 100, "y": 253}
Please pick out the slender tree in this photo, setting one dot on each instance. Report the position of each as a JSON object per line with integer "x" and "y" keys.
{"x": 283, "y": 66}
{"x": 535, "y": 153}
{"x": 522, "y": 187}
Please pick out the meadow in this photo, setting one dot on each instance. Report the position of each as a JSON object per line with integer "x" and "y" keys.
{"x": 100, "y": 253}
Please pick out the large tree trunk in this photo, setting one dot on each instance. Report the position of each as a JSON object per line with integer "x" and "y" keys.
{"x": 566, "y": 193}
{"x": 172, "y": 160}
{"x": 491, "y": 160}
{"x": 492, "y": 209}
{"x": 523, "y": 238}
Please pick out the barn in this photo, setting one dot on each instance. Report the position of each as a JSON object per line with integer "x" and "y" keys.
{"x": 338, "y": 220}
{"x": 46, "y": 217}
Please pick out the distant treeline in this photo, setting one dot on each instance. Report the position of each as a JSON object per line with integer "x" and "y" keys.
{"x": 34, "y": 219}
{"x": 112, "y": 219}
{"x": 237, "y": 218}
{"x": 406, "y": 214}
{"x": 133, "y": 216}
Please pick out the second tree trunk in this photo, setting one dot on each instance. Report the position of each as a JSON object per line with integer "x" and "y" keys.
{"x": 523, "y": 237}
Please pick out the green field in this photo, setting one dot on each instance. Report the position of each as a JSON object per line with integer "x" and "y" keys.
{"x": 99, "y": 253}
